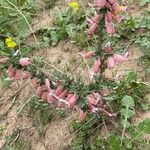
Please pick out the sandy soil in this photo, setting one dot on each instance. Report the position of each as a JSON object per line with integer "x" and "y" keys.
{"x": 57, "y": 133}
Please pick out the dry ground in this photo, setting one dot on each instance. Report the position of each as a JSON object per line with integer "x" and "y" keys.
{"x": 57, "y": 133}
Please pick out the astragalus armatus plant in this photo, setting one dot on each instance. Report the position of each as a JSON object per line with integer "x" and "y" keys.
{"x": 68, "y": 96}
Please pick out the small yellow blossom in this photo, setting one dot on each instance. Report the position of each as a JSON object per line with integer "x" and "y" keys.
{"x": 10, "y": 43}
{"x": 74, "y": 5}
{"x": 8, "y": 40}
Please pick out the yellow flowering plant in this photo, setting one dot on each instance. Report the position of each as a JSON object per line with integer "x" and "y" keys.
{"x": 10, "y": 43}
{"x": 74, "y": 5}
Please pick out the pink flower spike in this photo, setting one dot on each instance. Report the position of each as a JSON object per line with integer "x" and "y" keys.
{"x": 3, "y": 60}
{"x": 59, "y": 90}
{"x": 127, "y": 55}
{"x": 17, "y": 75}
{"x": 96, "y": 18}
{"x": 39, "y": 91}
{"x": 72, "y": 101}
{"x": 89, "y": 54}
{"x": 91, "y": 100}
{"x": 99, "y": 3}
{"x": 92, "y": 29}
{"x": 89, "y": 20}
{"x": 82, "y": 115}
{"x": 111, "y": 1}
{"x": 108, "y": 47}
{"x": 44, "y": 96}
{"x": 63, "y": 94}
{"x": 110, "y": 28}
{"x": 35, "y": 83}
{"x": 69, "y": 96}
{"x": 109, "y": 16}
{"x": 24, "y": 61}
{"x": 50, "y": 98}
{"x": 116, "y": 7}
{"x": 110, "y": 63}
{"x": 96, "y": 66}
{"x": 118, "y": 58}
{"x": 11, "y": 72}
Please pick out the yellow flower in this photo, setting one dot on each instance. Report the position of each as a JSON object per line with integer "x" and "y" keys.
{"x": 10, "y": 43}
{"x": 8, "y": 40}
{"x": 74, "y": 5}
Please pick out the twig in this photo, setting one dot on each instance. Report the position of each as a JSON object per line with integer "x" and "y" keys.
{"x": 22, "y": 86}
{"x": 53, "y": 66}
{"x": 86, "y": 65}
{"x": 6, "y": 112}
{"x": 14, "y": 139}
{"x": 20, "y": 110}
{"x": 84, "y": 125}
{"x": 105, "y": 127}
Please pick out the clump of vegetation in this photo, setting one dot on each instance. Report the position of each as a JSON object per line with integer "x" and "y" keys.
{"x": 102, "y": 102}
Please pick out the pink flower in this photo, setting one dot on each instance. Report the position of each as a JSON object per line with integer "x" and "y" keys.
{"x": 17, "y": 75}
{"x": 50, "y": 98}
{"x": 99, "y": 3}
{"x": 35, "y": 83}
{"x": 111, "y": 1}
{"x": 110, "y": 28}
{"x": 59, "y": 90}
{"x": 82, "y": 115}
{"x": 96, "y": 18}
{"x": 127, "y": 55}
{"x": 39, "y": 91}
{"x": 44, "y": 96}
{"x": 89, "y": 54}
{"x": 96, "y": 66}
{"x": 11, "y": 72}
{"x": 116, "y": 7}
{"x": 69, "y": 96}
{"x": 63, "y": 94}
{"x": 91, "y": 100}
{"x": 118, "y": 58}
{"x": 108, "y": 16}
{"x": 108, "y": 47}
{"x": 110, "y": 63}
{"x": 24, "y": 61}
{"x": 72, "y": 101}
{"x": 92, "y": 29}
{"x": 3, "y": 60}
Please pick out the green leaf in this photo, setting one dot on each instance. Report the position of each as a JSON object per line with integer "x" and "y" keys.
{"x": 129, "y": 113}
{"x": 114, "y": 143}
{"x": 126, "y": 123}
{"x": 128, "y": 101}
{"x": 145, "y": 106}
{"x": 144, "y": 127}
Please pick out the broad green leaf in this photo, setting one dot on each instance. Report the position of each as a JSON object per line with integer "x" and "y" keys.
{"x": 129, "y": 113}
{"x": 145, "y": 106}
{"x": 144, "y": 127}
{"x": 128, "y": 101}
{"x": 126, "y": 123}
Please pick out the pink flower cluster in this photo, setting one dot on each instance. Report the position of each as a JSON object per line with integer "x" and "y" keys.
{"x": 17, "y": 74}
{"x": 113, "y": 9}
{"x": 63, "y": 98}
{"x": 117, "y": 59}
